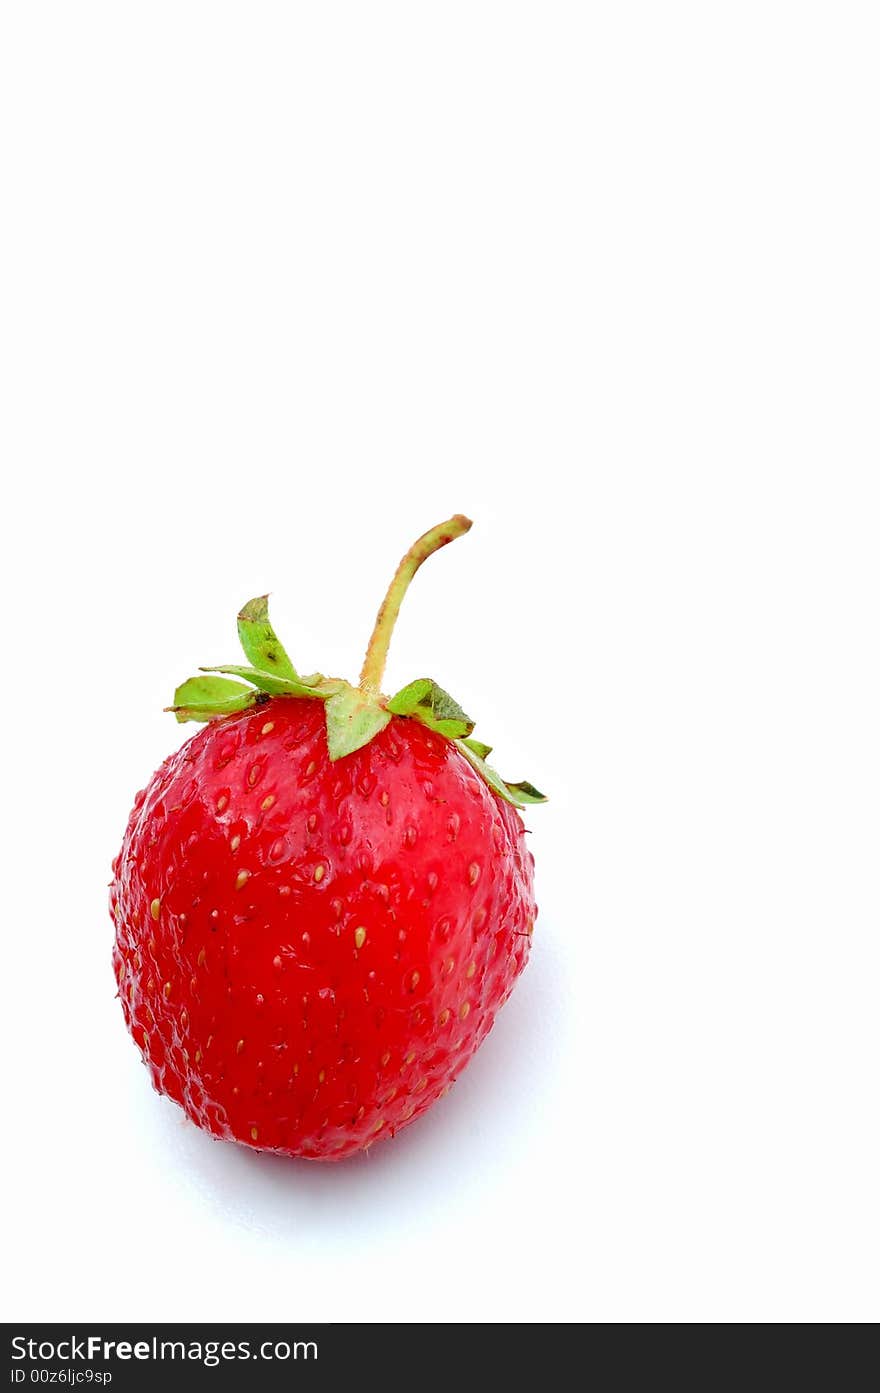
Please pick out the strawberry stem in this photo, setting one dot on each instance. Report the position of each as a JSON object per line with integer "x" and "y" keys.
{"x": 377, "y": 649}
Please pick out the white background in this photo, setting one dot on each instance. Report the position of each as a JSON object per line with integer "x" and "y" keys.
{"x": 285, "y": 284}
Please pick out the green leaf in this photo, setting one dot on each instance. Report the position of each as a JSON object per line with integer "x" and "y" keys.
{"x": 268, "y": 682}
{"x": 435, "y": 708}
{"x": 352, "y": 721}
{"x": 482, "y": 751}
{"x": 518, "y": 794}
{"x": 261, "y": 644}
{"x": 205, "y": 698}
{"x": 487, "y": 773}
{"x": 524, "y": 792}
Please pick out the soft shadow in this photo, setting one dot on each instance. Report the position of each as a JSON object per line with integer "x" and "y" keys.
{"x": 496, "y": 1103}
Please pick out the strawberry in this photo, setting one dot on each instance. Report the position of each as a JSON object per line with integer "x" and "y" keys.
{"x": 321, "y": 900}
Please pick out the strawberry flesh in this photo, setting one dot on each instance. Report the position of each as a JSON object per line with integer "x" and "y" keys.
{"x": 308, "y": 953}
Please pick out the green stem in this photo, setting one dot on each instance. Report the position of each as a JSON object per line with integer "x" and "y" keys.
{"x": 377, "y": 648}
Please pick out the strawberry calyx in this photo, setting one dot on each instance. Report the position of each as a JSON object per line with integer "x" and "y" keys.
{"x": 354, "y": 715}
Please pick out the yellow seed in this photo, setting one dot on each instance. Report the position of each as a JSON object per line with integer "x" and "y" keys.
{"x": 267, "y": 802}
{"x": 471, "y": 970}
{"x": 201, "y": 958}
{"x": 322, "y": 1074}
{"x": 450, "y": 966}
{"x": 385, "y": 1058}
{"x": 421, "y": 1085}
{"x": 410, "y": 1057}
{"x": 463, "y": 1009}
{"x": 184, "y": 1019}
{"x": 473, "y": 873}
{"x": 268, "y": 728}
{"x": 360, "y": 938}
{"x": 379, "y": 1125}
{"x": 208, "y": 1042}
{"x": 408, "y": 1114}
{"x": 198, "y": 1057}
{"x": 319, "y": 873}
{"x": 384, "y": 799}
{"x": 254, "y": 1134}
{"x": 235, "y": 842}
{"x": 239, "y": 1047}
{"x": 444, "y": 1015}
{"x": 311, "y": 769}
{"x": 392, "y": 1094}
{"x": 414, "y": 981}
{"x": 166, "y": 990}
{"x": 254, "y": 775}
{"x": 295, "y": 1069}
{"x": 222, "y": 803}
{"x": 155, "y": 907}
{"x": 241, "y": 879}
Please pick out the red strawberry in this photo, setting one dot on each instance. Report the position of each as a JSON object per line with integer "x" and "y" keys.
{"x": 321, "y": 900}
